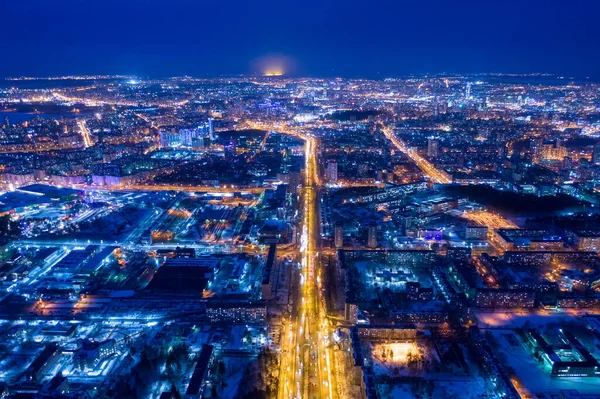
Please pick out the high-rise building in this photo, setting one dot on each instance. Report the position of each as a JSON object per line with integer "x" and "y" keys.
{"x": 332, "y": 172}
{"x": 230, "y": 149}
{"x": 295, "y": 179}
{"x": 200, "y": 142}
{"x": 596, "y": 155}
{"x": 552, "y": 150}
{"x": 211, "y": 129}
{"x": 372, "y": 236}
{"x": 433, "y": 148}
{"x": 468, "y": 91}
{"x": 536, "y": 146}
{"x": 473, "y": 232}
{"x": 567, "y": 163}
{"x": 502, "y": 152}
{"x": 339, "y": 235}
{"x": 169, "y": 138}
{"x": 187, "y": 136}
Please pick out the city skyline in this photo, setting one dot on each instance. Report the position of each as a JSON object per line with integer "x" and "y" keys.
{"x": 300, "y": 238}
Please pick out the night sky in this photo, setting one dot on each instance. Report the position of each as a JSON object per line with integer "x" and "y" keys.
{"x": 351, "y": 38}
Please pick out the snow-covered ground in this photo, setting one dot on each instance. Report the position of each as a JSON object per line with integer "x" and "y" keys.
{"x": 233, "y": 382}
{"x": 447, "y": 383}
{"x": 459, "y": 389}
{"x": 533, "y": 376}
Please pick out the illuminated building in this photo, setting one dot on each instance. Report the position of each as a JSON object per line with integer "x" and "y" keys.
{"x": 339, "y": 234}
{"x": 568, "y": 359}
{"x": 274, "y": 231}
{"x": 504, "y": 298}
{"x": 596, "y": 155}
{"x": 266, "y": 284}
{"x": 169, "y": 138}
{"x": 236, "y": 313}
{"x": 419, "y": 316}
{"x": 431, "y": 234}
{"x": 18, "y": 178}
{"x": 200, "y": 143}
{"x": 473, "y": 232}
{"x": 458, "y": 253}
{"x": 578, "y": 302}
{"x": 292, "y": 179}
{"x": 90, "y": 353}
{"x": 392, "y": 192}
{"x": 432, "y": 148}
{"x": 534, "y": 240}
{"x": 187, "y": 136}
{"x": 372, "y": 236}
{"x": 43, "y": 363}
{"x": 553, "y": 150}
{"x": 539, "y": 258}
{"x": 211, "y": 129}
{"x": 74, "y": 261}
{"x": 588, "y": 240}
{"x": 436, "y": 205}
{"x": 201, "y": 374}
{"x": 230, "y": 149}
{"x": 332, "y": 172}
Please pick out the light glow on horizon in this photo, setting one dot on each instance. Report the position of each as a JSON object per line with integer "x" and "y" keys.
{"x": 274, "y": 71}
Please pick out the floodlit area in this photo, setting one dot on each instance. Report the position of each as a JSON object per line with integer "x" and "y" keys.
{"x": 436, "y": 370}
{"x": 399, "y": 354}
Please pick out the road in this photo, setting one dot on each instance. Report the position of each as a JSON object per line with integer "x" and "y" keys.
{"x": 306, "y": 365}
{"x": 489, "y": 219}
{"x": 494, "y": 222}
{"x": 208, "y": 247}
{"x": 426, "y": 167}
{"x": 36, "y": 148}
{"x": 177, "y": 187}
{"x": 94, "y": 102}
{"x": 85, "y": 133}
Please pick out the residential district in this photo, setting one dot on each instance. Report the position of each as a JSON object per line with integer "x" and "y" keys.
{"x": 275, "y": 237}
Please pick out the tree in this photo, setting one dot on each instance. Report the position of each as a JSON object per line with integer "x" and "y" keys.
{"x": 9, "y": 228}
{"x": 221, "y": 368}
{"x": 175, "y": 392}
